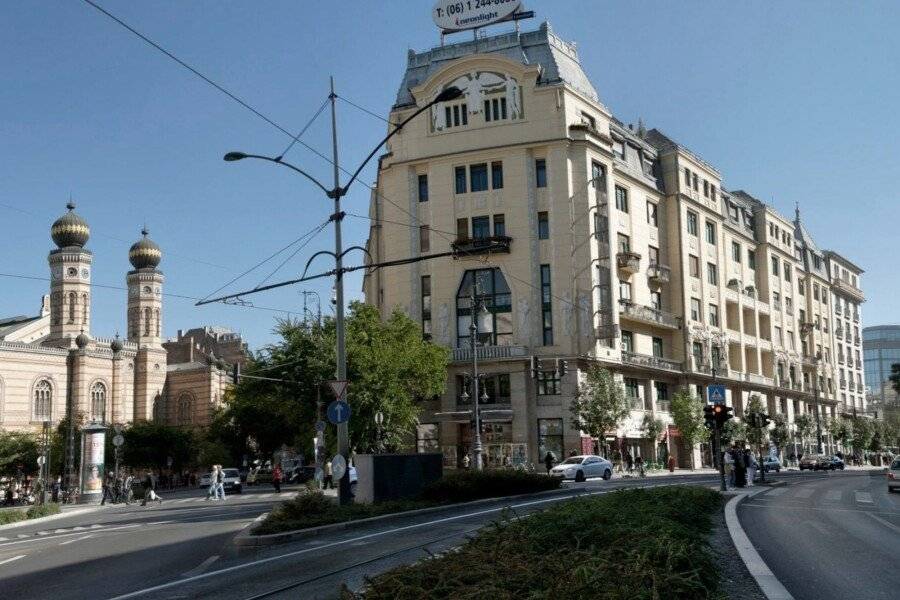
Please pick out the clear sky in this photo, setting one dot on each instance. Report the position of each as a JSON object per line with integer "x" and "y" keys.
{"x": 793, "y": 102}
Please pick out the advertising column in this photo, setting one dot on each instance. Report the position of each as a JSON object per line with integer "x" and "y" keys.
{"x": 93, "y": 443}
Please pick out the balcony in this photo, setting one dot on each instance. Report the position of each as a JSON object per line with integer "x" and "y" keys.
{"x": 653, "y": 362}
{"x": 628, "y": 262}
{"x": 845, "y": 287}
{"x": 758, "y": 379}
{"x": 488, "y": 353}
{"x": 648, "y": 314}
{"x": 856, "y": 317}
{"x": 796, "y": 386}
{"x": 481, "y": 245}
{"x": 850, "y": 362}
{"x": 784, "y": 384}
{"x": 658, "y": 274}
{"x": 809, "y": 361}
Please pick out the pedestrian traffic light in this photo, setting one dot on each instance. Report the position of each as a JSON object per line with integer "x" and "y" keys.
{"x": 709, "y": 416}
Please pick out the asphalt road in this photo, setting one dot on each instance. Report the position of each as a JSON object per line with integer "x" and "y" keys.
{"x": 829, "y": 537}
{"x": 104, "y": 553}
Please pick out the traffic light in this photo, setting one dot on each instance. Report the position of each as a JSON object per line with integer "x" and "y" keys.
{"x": 709, "y": 417}
{"x": 562, "y": 366}
{"x": 722, "y": 414}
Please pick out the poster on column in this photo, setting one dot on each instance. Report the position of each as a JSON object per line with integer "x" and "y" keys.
{"x": 92, "y": 462}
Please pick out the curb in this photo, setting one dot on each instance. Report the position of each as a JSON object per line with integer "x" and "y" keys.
{"x": 771, "y": 587}
{"x": 246, "y": 539}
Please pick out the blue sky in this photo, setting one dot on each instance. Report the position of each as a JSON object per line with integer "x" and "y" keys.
{"x": 793, "y": 102}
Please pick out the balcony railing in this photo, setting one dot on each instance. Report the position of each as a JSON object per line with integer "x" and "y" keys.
{"x": 628, "y": 262}
{"x": 658, "y": 274}
{"x": 648, "y": 314}
{"x": 856, "y": 317}
{"x": 758, "y": 379}
{"x": 846, "y": 287}
{"x": 655, "y": 362}
{"x": 481, "y": 245}
{"x": 489, "y": 353}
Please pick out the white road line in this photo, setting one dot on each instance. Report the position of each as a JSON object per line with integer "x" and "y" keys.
{"x": 883, "y": 522}
{"x": 9, "y": 560}
{"x": 833, "y": 496}
{"x": 239, "y": 567}
{"x": 863, "y": 497}
{"x": 201, "y": 567}
{"x": 84, "y": 537}
{"x": 32, "y": 539}
{"x": 804, "y": 492}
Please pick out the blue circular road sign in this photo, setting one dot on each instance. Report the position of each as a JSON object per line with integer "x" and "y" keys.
{"x": 338, "y": 412}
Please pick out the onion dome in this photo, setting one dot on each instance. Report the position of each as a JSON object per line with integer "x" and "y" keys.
{"x": 70, "y": 229}
{"x": 144, "y": 254}
{"x": 82, "y": 340}
{"x": 116, "y": 345}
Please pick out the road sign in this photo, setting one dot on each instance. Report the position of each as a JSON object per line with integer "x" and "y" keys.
{"x": 320, "y": 425}
{"x": 715, "y": 394}
{"x": 338, "y": 388}
{"x": 338, "y": 467}
{"x": 338, "y": 412}
{"x": 118, "y": 441}
{"x": 40, "y": 461}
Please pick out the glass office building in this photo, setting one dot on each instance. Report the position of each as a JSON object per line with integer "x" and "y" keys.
{"x": 881, "y": 349}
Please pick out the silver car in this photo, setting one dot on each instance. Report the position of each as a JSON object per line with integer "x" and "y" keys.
{"x": 893, "y": 476}
{"x": 581, "y": 467}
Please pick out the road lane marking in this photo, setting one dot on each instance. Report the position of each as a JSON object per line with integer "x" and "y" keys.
{"x": 833, "y": 496}
{"x": 804, "y": 492}
{"x": 84, "y": 537}
{"x": 28, "y": 538}
{"x": 787, "y": 506}
{"x": 883, "y": 521}
{"x": 863, "y": 497}
{"x": 9, "y": 560}
{"x": 201, "y": 567}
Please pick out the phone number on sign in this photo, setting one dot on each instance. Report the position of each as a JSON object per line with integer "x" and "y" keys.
{"x": 469, "y": 5}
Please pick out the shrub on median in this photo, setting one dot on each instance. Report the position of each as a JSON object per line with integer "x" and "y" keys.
{"x": 463, "y": 486}
{"x": 43, "y": 510}
{"x": 630, "y": 544}
{"x": 13, "y": 515}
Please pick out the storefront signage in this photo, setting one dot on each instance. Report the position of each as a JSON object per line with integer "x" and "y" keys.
{"x": 458, "y": 15}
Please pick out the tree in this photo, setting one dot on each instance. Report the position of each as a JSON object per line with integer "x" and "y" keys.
{"x": 18, "y": 453}
{"x": 803, "y": 427}
{"x": 733, "y": 431}
{"x": 841, "y": 429}
{"x": 390, "y": 368}
{"x": 757, "y": 434}
{"x": 652, "y": 427}
{"x": 600, "y": 403}
{"x": 687, "y": 415}
{"x": 862, "y": 434}
{"x": 150, "y": 445}
{"x": 779, "y": 434}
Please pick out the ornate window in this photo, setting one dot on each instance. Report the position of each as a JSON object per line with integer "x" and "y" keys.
{"x": 185, "y": 408}
{"x": 98, "y": 402}
{"x": 148, "y": 316}
{"x": 84, "y": 309}
{"x": 157, "y": 322}
{"x": 493, "y": 290}
{"x": 72, "y": 298}
{"x": 43, "y": 398}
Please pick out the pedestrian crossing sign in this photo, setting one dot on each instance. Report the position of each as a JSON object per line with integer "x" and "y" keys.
{"x": 715, "y": 394}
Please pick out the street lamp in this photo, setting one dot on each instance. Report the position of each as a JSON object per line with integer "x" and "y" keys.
{"x": 480, "y": 321}
{"x": 335, "y": 193}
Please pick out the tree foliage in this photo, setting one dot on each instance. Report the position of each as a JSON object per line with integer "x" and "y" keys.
{"x": 150, "y": 445}
{"x": 841, "y": 429}
{"x": 803, "y": 426}
{"x": 733, "y": 431}
{"x": 687, "y": 415}
{"x": 756, "y": 435}
{"x": 652, "y": 427}
{"x": 779, "y": 434}
{"x": 389, "y": 366}
{"x": 600, "y": 403}
{"x": 863, "y": 432}
{"x": 18, "y": 449}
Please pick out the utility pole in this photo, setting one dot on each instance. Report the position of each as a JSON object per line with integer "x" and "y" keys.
{"x": 343, "y": 431}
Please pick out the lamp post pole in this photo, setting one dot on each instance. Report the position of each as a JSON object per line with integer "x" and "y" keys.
{"x": 473, "y": 336}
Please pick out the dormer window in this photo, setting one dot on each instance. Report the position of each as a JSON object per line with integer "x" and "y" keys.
{"x": 455, "y": 115}
{"x": 495, "y": 109}
{"x": 619, "y": 149}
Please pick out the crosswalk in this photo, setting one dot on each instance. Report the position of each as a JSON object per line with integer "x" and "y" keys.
{"x": 229, "y": 498}
{"x": 830, "y": 498}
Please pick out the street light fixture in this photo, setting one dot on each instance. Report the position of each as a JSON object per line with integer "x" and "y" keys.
{"x": 335, "y": 193}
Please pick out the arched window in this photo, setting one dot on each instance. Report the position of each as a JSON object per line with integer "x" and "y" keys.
{"x": 147, "y": 318}
{"x": 185, "y": 408}
{"x": 43, "y": 397}
{"x": 157, "y": 322}
{"x": 72, "y": 297}
{"x": 493, "y": 290}
{"x": 98, "y": 402}
{"x": 84, "y": 309}
{"x": 158, "y": 409}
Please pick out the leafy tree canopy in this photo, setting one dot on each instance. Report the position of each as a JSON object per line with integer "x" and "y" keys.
{"x": 600, "y": 403}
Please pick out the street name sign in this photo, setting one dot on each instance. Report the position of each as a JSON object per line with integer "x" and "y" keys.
{"x": 338, "y": 412}
{"x": 459, "y": 15}
{"x": 715, "y": 394}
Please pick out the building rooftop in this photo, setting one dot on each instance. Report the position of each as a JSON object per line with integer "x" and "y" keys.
{"x": 557, "y": 59}
{"x": 663, "y": 142}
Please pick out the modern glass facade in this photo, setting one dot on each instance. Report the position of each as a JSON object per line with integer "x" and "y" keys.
{"x": 881, "y": 349}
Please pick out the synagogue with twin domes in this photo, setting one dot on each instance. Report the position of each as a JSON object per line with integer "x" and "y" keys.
{"x": 55, "y": 358}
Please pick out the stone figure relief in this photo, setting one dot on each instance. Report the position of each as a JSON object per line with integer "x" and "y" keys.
{"x": 476, "y": 87}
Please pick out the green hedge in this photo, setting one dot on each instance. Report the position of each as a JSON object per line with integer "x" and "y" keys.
{"x": 12, "y": 515}
{"x": 640, "y": 544}
{"x": 462, "y": 486}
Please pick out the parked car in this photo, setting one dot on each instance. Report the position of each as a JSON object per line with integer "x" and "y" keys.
{"x": 893, "y": 476}
{"x": 581, "y": 467}
{"x": 259, "y": 476}
{"x": 815, "y": 462}
{"x": 771, "y": 463}
{"x": 836, "y": 462}
{"x": 232, "y": 481}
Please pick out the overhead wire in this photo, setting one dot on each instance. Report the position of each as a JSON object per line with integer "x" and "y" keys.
{"x": 365, "y": 110}
{"x": 293, "y": 254}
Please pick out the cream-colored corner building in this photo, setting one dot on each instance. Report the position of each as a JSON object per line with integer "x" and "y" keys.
{"x": 624, "y": 249}
{"x": 49, "y": 356}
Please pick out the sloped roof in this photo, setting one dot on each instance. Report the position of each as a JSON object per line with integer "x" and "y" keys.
{"x": 663, "y": 142}
{"x": 13, "y": 324}
{"x": 557, "y": 59}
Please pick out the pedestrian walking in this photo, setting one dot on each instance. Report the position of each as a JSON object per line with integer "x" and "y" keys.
{"x": 629, "y": 463}
{"x": 751, "y": 467}
{"x": 549, "y": 459}
{"x": 639, "y": 463}
{"x": 220, "y": 483}
{"x": 671, "y": 463}
{"x": 108, "y": 486}
{"x": 327, "y": 483}
{"x": 740, "y": 468}
{"x": 149, "y": 493}
{"x": 728, "y": 461}
{"x": 276, "y": 478}
{"x": 127, "y": 492}
{"x": 211, "y": 490}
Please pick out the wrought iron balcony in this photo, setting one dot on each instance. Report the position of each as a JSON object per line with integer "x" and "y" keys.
{"x": 654, "y": 362}
{"x": 628, "y": 262}
{"x": 658, "y": 274}
{"x": 488, "y": 353}
{"x": 481, "y": 245}
{"x": 648, "y": 314}
{"x": 784, "y": 383}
